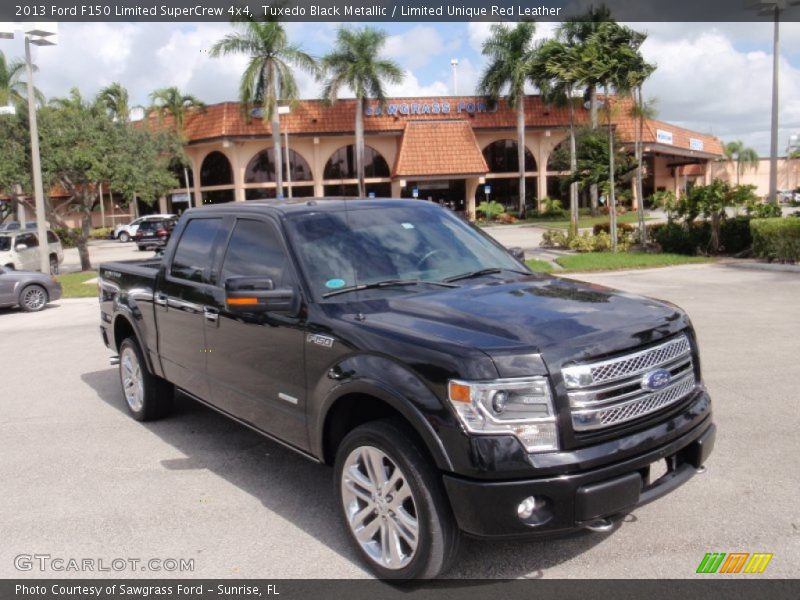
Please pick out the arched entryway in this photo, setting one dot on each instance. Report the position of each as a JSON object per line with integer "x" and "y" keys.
{"x": 259, "y": 176}
{"x": 216, "y": 173}
{"x": 503, "y": 177}
{"x": 341, "y": 179}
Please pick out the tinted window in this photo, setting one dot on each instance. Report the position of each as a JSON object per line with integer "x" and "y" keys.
{"x": 338, "y": 249}
{"x": 193, "y": 255}
{"x": 255, "y": 251}
{"x": 29, "y": 239}
{"x": 5, "y": 243}
{"x": 51, "y": 238}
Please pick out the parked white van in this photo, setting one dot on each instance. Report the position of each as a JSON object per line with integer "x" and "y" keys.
{"x": 20, "y": 250}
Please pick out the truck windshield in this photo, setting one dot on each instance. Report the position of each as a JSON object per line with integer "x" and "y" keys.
{"x": 367, "y": 245}
{"x": 5, "y": 243}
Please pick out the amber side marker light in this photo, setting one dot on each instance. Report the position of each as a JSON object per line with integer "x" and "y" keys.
{"x": 242, "y": 301}
{"x": 459, "y": 392}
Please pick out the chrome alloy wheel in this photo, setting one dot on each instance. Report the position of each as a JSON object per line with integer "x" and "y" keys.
{"x": 132, "y": 379}
{"x": 34, "y": 298}
{"x": 380, "y": 508}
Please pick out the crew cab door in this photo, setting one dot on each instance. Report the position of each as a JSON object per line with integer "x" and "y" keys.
{"x": 255, "y": 361}
{"x": 181, "y": 300}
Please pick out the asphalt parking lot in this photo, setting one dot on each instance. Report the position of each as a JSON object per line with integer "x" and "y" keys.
{"x": 81, "y": 479}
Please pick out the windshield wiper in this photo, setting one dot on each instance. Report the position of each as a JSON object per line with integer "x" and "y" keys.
{"x": 386, "y": 283}
{"x": 481, "y": 272}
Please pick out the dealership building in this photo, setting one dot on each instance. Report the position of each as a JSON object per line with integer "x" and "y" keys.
{"x": 451, "y": 150}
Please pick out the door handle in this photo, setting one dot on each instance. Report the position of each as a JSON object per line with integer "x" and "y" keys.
{"x": 211, "y": 314}
{"x": 161, "y": 299}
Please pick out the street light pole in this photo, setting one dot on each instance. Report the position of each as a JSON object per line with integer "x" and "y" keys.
{"x": 773, "y": 148}
{"x": 38, "y": 188}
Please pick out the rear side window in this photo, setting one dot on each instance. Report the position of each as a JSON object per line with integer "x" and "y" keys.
{"x": 29, "y": 239}
{"x": 193, "y": 258}
{"x": 51, "y": 238}
{"x": 255, "y": 250}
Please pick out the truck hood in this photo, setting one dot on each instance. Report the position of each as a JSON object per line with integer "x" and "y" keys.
{"x": 560, "y": 319}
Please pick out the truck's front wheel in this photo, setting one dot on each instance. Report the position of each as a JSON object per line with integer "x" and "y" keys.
{"x": 148, "y": 397}
{"x": 393, "y": 502}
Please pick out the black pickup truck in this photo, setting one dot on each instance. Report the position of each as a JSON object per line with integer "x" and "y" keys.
{"x": 454, "y": 391}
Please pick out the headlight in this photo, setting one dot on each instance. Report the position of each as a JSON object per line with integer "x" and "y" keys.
{"x": 519, "y": 407}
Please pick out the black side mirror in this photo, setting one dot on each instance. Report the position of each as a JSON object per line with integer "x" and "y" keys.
{"x": 517, "y": 253}
{"x": 258, "y": 295}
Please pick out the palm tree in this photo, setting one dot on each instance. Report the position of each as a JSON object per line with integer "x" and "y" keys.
{"x": 268, "y": 77}
{"x": 355, "y": 63}
{"x": 553, "y": 72}
{"x": 171, "y": 101}
{"x": 639, "y": 73}
{"x": 576, "y": 32}
{"x": 746, "y": 158}
{"x": 115, "y": 100}
{"x": 510, "y": 51}
{"x": 13, "y": 88}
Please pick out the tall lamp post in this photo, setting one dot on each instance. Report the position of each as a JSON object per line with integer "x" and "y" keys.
{"x": 38, "y": 34}
{"x": 454, "y": 64}
{"x": 774, "y": 8}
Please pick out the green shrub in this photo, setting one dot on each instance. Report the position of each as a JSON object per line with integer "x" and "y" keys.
{"x": 551, "y": 207}
{"x": 101, "y": 233}
{"x": 554, "y": 238}
{"x": 582, "y": 243}
{"x": 676, "y": 238}
{"x": 776, "y": 239}
{"x": 69, "y": 236}
{"x": 490, "y": 210}
{"x": 606, "y": 228}
{"x": 763, "y": 210}
{"x": 734, "y": 235}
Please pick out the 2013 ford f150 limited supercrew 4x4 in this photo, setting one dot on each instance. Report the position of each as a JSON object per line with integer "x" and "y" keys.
{"x": 454, "y": 391}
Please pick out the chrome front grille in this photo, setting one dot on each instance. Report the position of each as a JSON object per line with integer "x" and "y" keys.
{"x": 609, "y": 392}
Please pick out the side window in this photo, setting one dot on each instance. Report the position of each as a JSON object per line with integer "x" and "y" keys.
{"x": 255, "y": 251}
{"x": 51, "y": 238}
{"x": 192, "y": 259}
{"x": 29, "y": 239}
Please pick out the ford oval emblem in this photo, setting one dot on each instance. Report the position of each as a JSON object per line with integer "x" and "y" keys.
{"x": 655, "y": 380}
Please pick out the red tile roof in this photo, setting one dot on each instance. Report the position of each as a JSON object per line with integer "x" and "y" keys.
{"x": 315, "y": 117}
{"x": 439, "y": 148}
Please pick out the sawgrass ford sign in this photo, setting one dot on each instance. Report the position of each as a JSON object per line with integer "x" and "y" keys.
{"x": 429, "y": 108}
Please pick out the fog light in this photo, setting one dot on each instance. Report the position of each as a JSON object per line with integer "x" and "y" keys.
{"x": 528, "y": 506}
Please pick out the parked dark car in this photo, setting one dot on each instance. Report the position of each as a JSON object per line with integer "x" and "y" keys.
{"x": 154, "y": 233}
{"x": 29, "y": 290}
{"x": 452, "y": 390}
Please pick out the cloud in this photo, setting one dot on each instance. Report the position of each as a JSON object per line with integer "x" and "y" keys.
{"x": 704, "y": 82}
{"x": 416, "y": 47}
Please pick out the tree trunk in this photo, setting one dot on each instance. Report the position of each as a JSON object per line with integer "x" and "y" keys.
{"x": 276, "y": 147}
{"x": 612, "y": 196}
{"x": 593, "y": 192}
{"x": 362, "y": 192}
{"x": 573, "y": 165}
{"x": 639, "y": 161}
{"x": 715, "y": 227}
{"x": 83, "y": 240}
{"x": 521, "y": 153}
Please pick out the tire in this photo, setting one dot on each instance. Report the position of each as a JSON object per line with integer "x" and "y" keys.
{"x": 33, "y": 298}
{"x": 142, "y": 248}
{"x": 54, "y": 265}
{"x": 147, "y": 397}
{"x": 124, "y": 237}
{"x": 11, "y": 267}
{"x": 415, "y": 495}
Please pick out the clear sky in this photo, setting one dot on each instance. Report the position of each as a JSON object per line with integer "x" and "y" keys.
{"x": 711, "y": 77}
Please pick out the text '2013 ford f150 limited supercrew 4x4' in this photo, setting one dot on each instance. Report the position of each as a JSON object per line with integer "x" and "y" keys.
{"x": 454, "y": 391}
